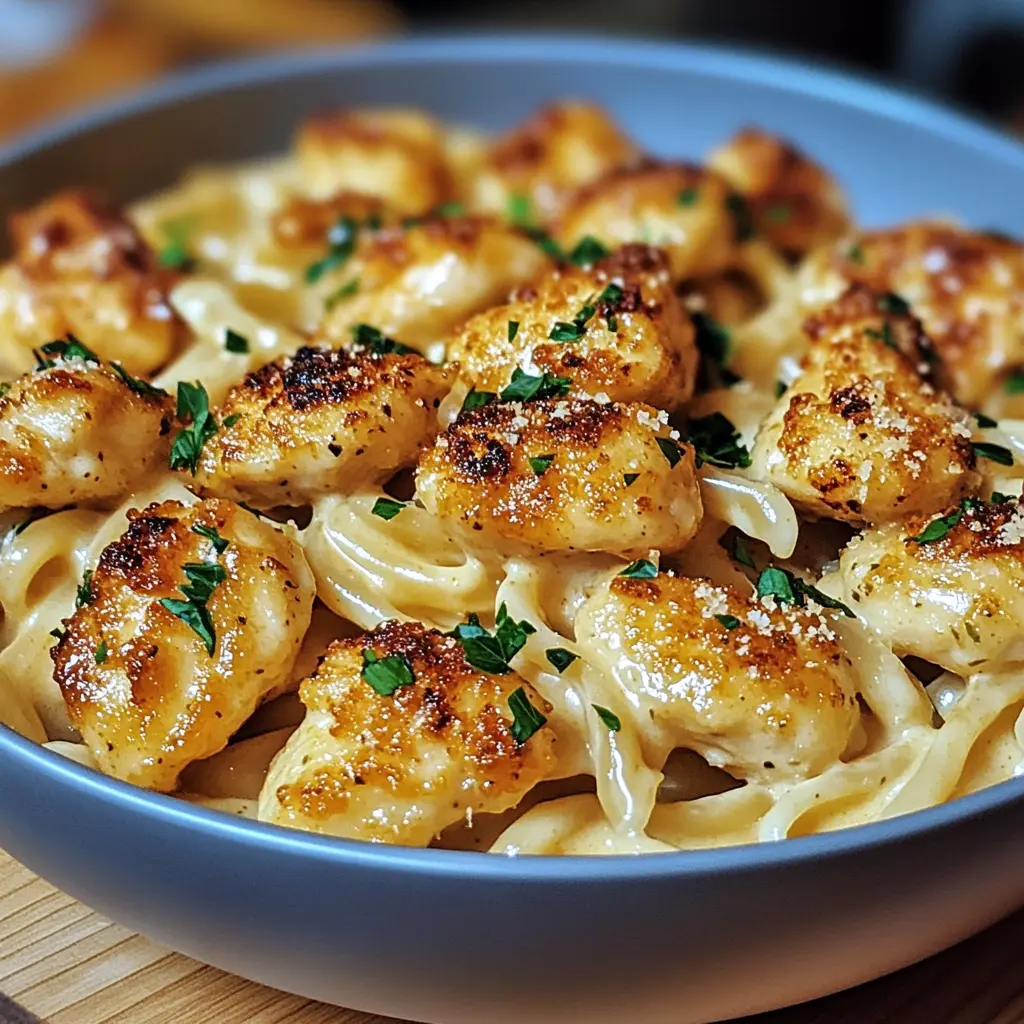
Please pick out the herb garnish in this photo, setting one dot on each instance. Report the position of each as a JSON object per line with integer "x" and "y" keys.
{"x": 137, "y": 384}
{"x": 377, "y": 343}
{"x": 892, "y": 303}
{"x": 174, "y": 252}
{"x": 1014, "y": 384}
{"x": 998, "y": 498}
{"x": 203, "y": 579}
{"x": 194, "y": 405}
{"x": 780, "y": 388}
{"x": 83, "y": 595}
{"x": 855, "y": 254}
{"x": 220, "y": 545}
{"x": 560, "y": 658}
{"x": 513, "y": 329}
{"x": 938, "y": 528}
{"x": 524, "y": 387}
{"x": 544, "y": 242}
{"x": 788, "y": 588}
{"x": 717, "y": 442}
{"x": 341, "y": 243}
{"x": 729, "y": 621}
{"x": 101, "y": 653}
{"x": 738, "y": 550}
{"x": 688, "y": 196}
{"x": 641, "y": 569}
{"x": 985, "y": 421}
{"x": 477, "y": 400}
{"x": 526, "y": 719}
{"x": 58, "y": 634}
{"x": 235, "y": 342}
{"x": 993, "y": 452}
{"x": 743, "y": 219}
{"x": 519, "y": 209}
{"x": 609, "y": 718}
{"x": 587, "y": 251}
{"x": 714, "y": 342}
{"x": 884, "y": 335}
{"x": 630, "y": 478}
{"x": 345, "y": 291}
{"x": 670, "y": 449}
{"x": 387, "y": 508}
{"x": 386, "y": 675}
{"x": 492, "y": 652}
{"x": 72, "y": 348}
{"x": 541, "y": 464}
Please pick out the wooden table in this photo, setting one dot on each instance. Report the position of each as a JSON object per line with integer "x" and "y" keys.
{"x": 70, "y": 966}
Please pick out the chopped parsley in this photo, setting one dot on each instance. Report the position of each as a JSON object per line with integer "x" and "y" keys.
{"x": 884, "y": 335}
{"x": 386, "y": 675}
{"x": 235, "y": 342}
{"x": 743, "y": 219}
{"x": 788, "y": 588}
{"x": 1014, "y": 384}
{"x": 346, "y": 291}
{"x": 220, "y": 545}
{"x": 544, "y": 242}
{"x": 714, "y": 342}
{"x": 560, "y": 658}
{"x": 203, "y": 578}
{"x": 998, "y": 498}
{"x": 193, "y": 406}
{"x": 341, "y": 243}
{"x": 525, "y": 387}
{"x": 230, "y": 421}
{"x": 688, "y": 196}
{"x": 477, "y": 399}
{"x": 71, "y": 348}
{"x": 670, "y": 449}
{"x": 377, "y": 343}
{"x": 855, "y": 254}
{"x": 780, "y": 388}
{"x": 641, "y": 569}
{"x": 387, "y": 508}
{"x": 57, "y": 634}
{"x": 609, "y": 718}
{"x": 939, "y": 528}
{"x": 993, "y": 452}
{"x": 519, "y": 211}
{"x": 101, "y": 653}
{"x": 738, "y": 550}
{"x": 985, "y": 421}
{"x": 630, "y": 478}
{"x": 492, "y": 652}
{"x": 513, "y": 329}
{"x": 717, "y": 442}
{"x": 729, "y": 621}
{"x": 541, "y": 464}
{"x": 5, "y": 386}
{"x": 587, "y": 251}
{"x": 174, "y": 252}
{"x": 83, "y": 595}
{"x": 248, "y": 508}
{"x": 892, "y": 303}
{"x": 137, "y": 384}
{"x": 526, "y": 719}
{"x": 780, "y": 213}
{"x": 452, "y": 209}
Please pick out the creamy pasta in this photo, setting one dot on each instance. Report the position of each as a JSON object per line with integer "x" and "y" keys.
{"x": 521, "y": 494}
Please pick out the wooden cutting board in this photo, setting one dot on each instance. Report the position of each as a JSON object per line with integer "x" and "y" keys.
{"x": 68, "y": 965}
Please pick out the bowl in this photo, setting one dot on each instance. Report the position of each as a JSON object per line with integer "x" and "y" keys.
{"x": 461, "y": 937}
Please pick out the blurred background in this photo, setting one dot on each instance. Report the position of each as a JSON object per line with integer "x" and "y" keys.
{"x": 58, "y": 54}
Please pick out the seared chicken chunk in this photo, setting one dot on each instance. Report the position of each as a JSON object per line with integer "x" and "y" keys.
{"x": 529, "y": 172}
{"x": 563, "y": 474}
{"x": 615, "y": 328}
{"x": 392, "y": 153}
{"x": 188, "y": 622}
{"x": 417, "y": 283}
{"x": 80, "y": 267}
{"x": 75, "y": 431}
{"x": 403, "y": 737}
{"x": 321, "y": 422}
{"x": 688, "y": 211}
{"x": 761, "y": 690}
{"x": 947, "y": 587}
{"x": 860, "y": 436}
{"x": 794, "y": 202}
{"x": 966, "y": 286}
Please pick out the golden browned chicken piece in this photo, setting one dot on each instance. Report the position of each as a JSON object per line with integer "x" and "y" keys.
{"x": 760, "y": 689}
{"x": 562, "y": 474}
{"x": 80, "y": 267}
{"x": 966, "y": 286}
{"x": 322, "y": 422}
{"x": 945, "y": 587}
{"x": 418, "y": 283}
{"x": 76, "y": 431}
{"x": 528, "y": 173}
{"x": 690, "y": 212}
{"x": 615, "y": 328}
{"x": 794, "y": 203}
{"x": 395, "y": 154}
{"x": 403, "y": 737}
{"x": 860, "y": 436}
{"x": 187, "y": 623}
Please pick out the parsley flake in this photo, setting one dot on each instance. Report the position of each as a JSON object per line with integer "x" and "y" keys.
{"x": 387, "y": 508}
{"x": 101, "y": 653}
{"x": 780, "y": 388}
{"x": 230, "y": 421}
{"x": 194, "y": 406}
{"x": 1014, "y": 384}
{"x": 993, "y": 452}
{"x": 630, "y": 478}
{"x": 587, "y": 251}
{"x": 526, "y": 719}
{"x": 196, "y": 617}
{"x": 492, "y": 652}
{"x": 513, "y": 329}
{"x": 519, "y": 209}
{"x": 998, "y": 498}
{"x": 641, "y": 569}
{"x": 346, "y": 291}
{"x": 220, "y": 545}
{"x": 560, "y": 658}
{"x": 137, "y": 384}
{"x": 743, "y": 219}
{"x": 788, "y": 588}
{"x": 235, "y": 342}
{"x": 477, "y": 399}
{"x": 892, "y": 303}
{"x": 729, "y": 621}
{"x": 341, "y": 243}
{"x": 884, "y": 335}
{"x": 985, "y": 421}
{"x": 717, "y": 442}
{"x": 541, "y": 464}
{"x": 71, "y": 348}
{"x": 525, "y": 387}
{"x": 83, "y": 595}
{"x": 203, "y": 578}
{"x": 174, "y": 253}
{"x": 544, "y": 242}
{"x": 672, "y": 451}
{"x": 738, "y": 550}
{"x": 386, "y": 675}
{"x": 688, "y": 196}
{"x": 939, "y": 528}
{"x": 376, "y": 342}
{"x": 714, "y": 342}
{"x": 57, "y": 634}
{"x": 609, "y": 718}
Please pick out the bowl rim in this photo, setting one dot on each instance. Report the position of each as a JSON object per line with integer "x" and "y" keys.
{"x": 841, "y": 88}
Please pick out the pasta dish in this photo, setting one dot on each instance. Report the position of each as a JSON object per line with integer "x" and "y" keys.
{"x": 523, "y": 494}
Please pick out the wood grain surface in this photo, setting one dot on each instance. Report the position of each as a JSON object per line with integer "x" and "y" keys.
{"x": 68, "y": 965}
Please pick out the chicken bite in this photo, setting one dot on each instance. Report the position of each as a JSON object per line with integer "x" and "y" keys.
{"x": 188, "y": 622}
{"x": 403, "y": 737}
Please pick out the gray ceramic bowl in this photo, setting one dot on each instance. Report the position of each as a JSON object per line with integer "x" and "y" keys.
{"x": 458, "y": 937}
